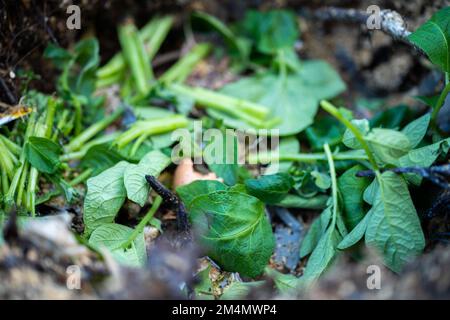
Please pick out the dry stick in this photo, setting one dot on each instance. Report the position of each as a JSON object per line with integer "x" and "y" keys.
{"x": 391, "y": 21}
{"x": 436, "y": 174}
{"x": 171, "y": 200}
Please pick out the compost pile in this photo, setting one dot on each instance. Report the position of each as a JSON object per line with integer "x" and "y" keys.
{"x": 121, "y": 175}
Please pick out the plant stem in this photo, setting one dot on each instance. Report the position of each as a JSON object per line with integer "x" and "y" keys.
{"x": 78, "y": 116}
{"x": 135, "y": 57}
{"x": 250, "y": 112}
{"x": 305, "y": 157}
{"x": 83, "y": 176}
{"x": 5, "y": 182}
{"x": 82, "y": 152}
{"x": 51, "y": 109}
{"x": 21, "y": 186}
{"x": 181, "y": 70}
{"x": 334, "y": 190}
{"x": 93, "y": 130}
{"x": 150, "y": 127}
{"x": 157, "y": 36}
{"x": 14, "y": 148}
{"x": 152, "y": 35}
{"x": 439, "y": 104}
{"x": 6, "y": 162}
{"x": 327, "y": 106}
{"x": 140, "y": 227}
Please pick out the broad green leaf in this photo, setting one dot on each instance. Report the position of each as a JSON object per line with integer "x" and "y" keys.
{"x": 394, "y": 227}
{"x": 416, "y": 130}
{"x": 104, "y": 197}
{"x": 294, "y": 98}
{"x": 356, "y": 234}
{"x": 270, "y": 188}
{"x": 43, "y": 154}
{"x": 134, "y": 176}
{"x": 388, "y": 145}
{"x": 423, "y": 157}
{"x": 351, "y": 190}
{"x": 112, "y": 236}
{"x": 272, "y": 30}
{"x": 315, "y": 232}
{"x": 370, "y": 192}
{"x": 433, "y": 37}
{"x": 234, "y": 228}
{"x": 198, "y": 188}
{"x": 322, "y": 255}
{"x": 349, "y": 138}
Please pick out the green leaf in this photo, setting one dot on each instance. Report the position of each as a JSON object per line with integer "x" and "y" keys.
{"x": 416, "y": 130}
{"x": 285, "y": 283}
{"x": 394, "y": 227}
{"x": 100, "y": 157}
{"x": 234, "y": 228}
{"x": 433, "y": 37}
{"x": 323, "y": 255}
{"x": 272, "y": 30}
{"x": 198, "y": 188}
{"x": 270, "y": 188}
{"x": 104, "y": 197}
{"x": 294, "y": 98}
{"x": 356, "y": 234}
{"x": 423, "y": 157}
{"x": 351, "y": 190}
{"x": 315, "y": 232}
{"x": 43, "y": 154}
{"x": 325, "y": 130}
{"x": 322, "y": 180}
{"x": 153, "y": 163}
{"x": 349, "y": 138}
{"x": 112, "y": 236}
{"x": 370, "y": 192}
{"x": 388, "y": 145}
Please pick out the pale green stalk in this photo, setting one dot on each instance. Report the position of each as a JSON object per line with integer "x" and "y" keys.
{"x": 140, "y": 227}
{"x": 93, "y": 130}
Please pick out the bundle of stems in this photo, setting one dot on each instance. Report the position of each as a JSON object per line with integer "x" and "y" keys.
{"x": 139, "y": 48}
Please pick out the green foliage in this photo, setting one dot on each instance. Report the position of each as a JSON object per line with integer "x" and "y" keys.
{"x": 292, "y": 97}
{"x": 134, "y": 176}
{"x": 433, "y": 37}
{"x": 351, "y": 189}
{"x": 107, "y": 191}
{"x": 112, "y": 236}
{"x": 394, "y": 227}
{"x": 272, "y": 30}
{"x": 105, "y": 196}
{"x": 270, "y": 188}
{"x": 43, "y": 154}
{"x": 234, "y": 228}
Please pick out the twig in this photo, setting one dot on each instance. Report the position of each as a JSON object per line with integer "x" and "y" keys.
{"x": 171, "y": 200}
{"x": 391, "y": 21}
{"x": 437, "y": 174}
